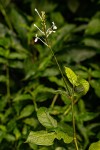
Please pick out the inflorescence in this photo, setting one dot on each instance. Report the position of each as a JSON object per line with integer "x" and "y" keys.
{"x": 48, "y": 31}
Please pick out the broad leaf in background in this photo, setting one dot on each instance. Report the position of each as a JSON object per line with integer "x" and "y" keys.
{"x": 26, "y": 111}
{"x": 73, "y": 5}
{"x": 90, "y": 28}
{"x": 18, "y": 22}
{"x": 45, "y": 119}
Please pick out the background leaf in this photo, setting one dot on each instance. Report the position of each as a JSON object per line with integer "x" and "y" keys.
{"x": 45, "y": 119}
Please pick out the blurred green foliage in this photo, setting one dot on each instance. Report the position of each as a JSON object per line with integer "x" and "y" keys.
{"x": 29, "y": 77}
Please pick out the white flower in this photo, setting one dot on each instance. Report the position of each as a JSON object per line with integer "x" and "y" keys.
{"x": 47, "y": 32}
{"x": 38, "y": 28}
{"x": 38, "y": 13}
{"x": 36, "y": 38}
{"x": 54, "y": 26}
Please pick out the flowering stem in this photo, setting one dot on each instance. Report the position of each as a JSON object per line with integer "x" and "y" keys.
{"x": 71, "y": 96}
{"x": 66, "y": 87}
{"x": 38, "y": 28}
{"x": 38, "y": 13}
{"x": 46, "y": 39}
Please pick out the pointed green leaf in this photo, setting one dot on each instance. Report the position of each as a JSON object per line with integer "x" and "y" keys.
{"x": 62, "y": 135}
{"x": 22, "y": 97}
{"x": 45, "y": 119}
{"x": 27, "y": 111}
{"x": 71, "y": 76}
{"x": 31, "y": 122}
{"x": 95, "y": 146}
{"x": 41, "y": 138}
{"x": 73, "y": 5}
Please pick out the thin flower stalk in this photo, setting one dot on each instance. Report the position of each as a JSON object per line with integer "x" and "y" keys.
{"x": 46, "y": 32}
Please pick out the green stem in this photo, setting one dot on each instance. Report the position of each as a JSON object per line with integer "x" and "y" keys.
{"x": 46, "y": 39}
{"x": 34, "y": 102}
{"x": 73, "y": 121}
{"x": 70, "y": 107}
{"x": 8, "y": 82}
{"x": 54, "y": 100}
{"x": 66, "y": 86}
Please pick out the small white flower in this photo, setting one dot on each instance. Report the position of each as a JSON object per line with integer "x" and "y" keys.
{"x": 38, "y": 28}
{"x": 36, "y": 38}
{"x": 38, "y": 13}
{"x": 48, "y": 31}
{"x": 54, "y": 26}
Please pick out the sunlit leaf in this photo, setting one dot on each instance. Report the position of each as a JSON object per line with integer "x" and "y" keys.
{"x": 62, "y": 135}
{"x": 85, "y": 84}
{"x": 41, "y": 138}
{"x": 71, "y": 76}
{"x": 95, "y": 146}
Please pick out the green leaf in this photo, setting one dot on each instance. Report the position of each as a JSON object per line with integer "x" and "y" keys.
{"x": 31, "y": 121}
{"x": 10, "y": 137}
{"x": 5, "y": 42}
{"x": 27, "y": 111}
{"x": 22, "y": 97}
{"x": 54, "y": 79}
{"x": 96, "y": 85}
{"x": 85, "y": 85}
{"x": 17, "y": 133}
{"x": 95, "y": 146}
{"x": 95, "y": 22}
{"x": 92, "y": 42}
{"x": 79, "y": 89}
{"x": 41, "y": 138}
{"x": 3, "y": 78}
{"x": 96, "y": 73}
{"x": 15, "y": 55}
{"x": 16, "y": 64}
{"x": 62, "y": 135}
{"x": 87, "y": 116}
{"x": 60, "y": 148}
{"x": 71, "y": 76}
{"x": 18, "y": 21}
{"x": 3, "y": 61}
{"x": 73, "y": 5}
{"x": 45, "y": 119}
